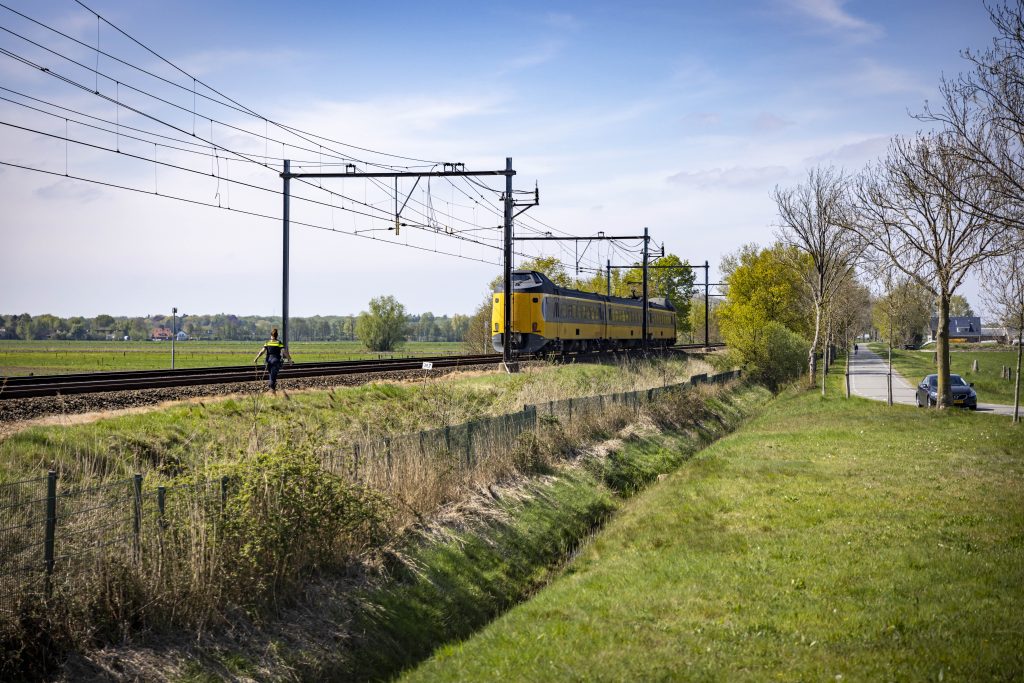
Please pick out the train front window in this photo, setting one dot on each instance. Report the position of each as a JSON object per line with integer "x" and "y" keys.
{"x": 522, "y": 279}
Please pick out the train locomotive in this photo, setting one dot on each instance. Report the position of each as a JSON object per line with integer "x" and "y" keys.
{"x": 548, "y": 318}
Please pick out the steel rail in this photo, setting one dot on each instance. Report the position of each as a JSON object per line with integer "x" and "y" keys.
{"x": 102, "y": 382}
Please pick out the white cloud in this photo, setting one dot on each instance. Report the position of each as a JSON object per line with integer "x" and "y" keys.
{"x": 71, "y": 191}
{"x": 830, "y": 15}
{"x": 539, "y": 55}
{"x": 562, "y": 20}
{"x": 734, "y": 177}
{"x": 873, "y": 78}
{"x": 853, "y": 155}
{"x": 766, "y": 122}
{"x": 202, "y": 64}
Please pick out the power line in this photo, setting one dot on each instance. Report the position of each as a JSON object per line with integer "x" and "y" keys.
{"x": 428, "y": 211}
{"x": 240, "y": 211}
{"x": 294, "y": 131}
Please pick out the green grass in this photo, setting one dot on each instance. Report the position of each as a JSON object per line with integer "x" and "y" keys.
{"x": 62, "y": 357}
{"x": 991, "y": 388}
{"x": 827, "y": 539}
{"x": 188, "y": 438}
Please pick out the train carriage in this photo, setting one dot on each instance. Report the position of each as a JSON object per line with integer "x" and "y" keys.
{"x": 546, "y": 317}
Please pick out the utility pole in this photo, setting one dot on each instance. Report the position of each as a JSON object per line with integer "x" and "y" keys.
{"x": 506, "y": 346}
{"x": 174, "y": 314}
{"x": 284, "y": 266}
{"x": 608, "y": 276}
{"x": 707, "y": 293}
{"x": 644, "y": 327}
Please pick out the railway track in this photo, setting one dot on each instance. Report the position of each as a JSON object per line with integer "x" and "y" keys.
{"x": 102, "y": 382}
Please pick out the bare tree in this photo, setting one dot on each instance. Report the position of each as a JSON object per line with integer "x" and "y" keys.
{"x": 917, "y": 206}
{"x": 813, "y": 217}
{"x": 984, "y": 110}
{"x": 1003, "y": 292}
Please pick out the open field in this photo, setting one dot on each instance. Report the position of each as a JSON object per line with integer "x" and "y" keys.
{"x": 60, "y": 357}
{"x": 826, "y": 540}
{"x": 914, "y": 365}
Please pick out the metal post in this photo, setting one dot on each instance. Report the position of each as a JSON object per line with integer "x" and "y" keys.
{"x": 608, "y": 277}
{"x": 707, "y": 279}
{"x": 51, "y": 527}
{"x": 643, "y": 328}
{"x": 506, "y": 346}
{"x": 174, "y": 332}
{"x": 284, "y": 265}
{"x": 137, "y": 519}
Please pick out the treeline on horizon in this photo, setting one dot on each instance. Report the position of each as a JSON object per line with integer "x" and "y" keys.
{"x": 219, "y": 327}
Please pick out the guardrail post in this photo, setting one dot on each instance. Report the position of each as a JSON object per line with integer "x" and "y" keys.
{"x": 137, "y": 519}
{"x": 51, "y": 528}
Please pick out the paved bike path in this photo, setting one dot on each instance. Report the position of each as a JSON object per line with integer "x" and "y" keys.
{"x": 868, "y": 373}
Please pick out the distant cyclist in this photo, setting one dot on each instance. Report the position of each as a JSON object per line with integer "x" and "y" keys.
{"x": 276, "y": 354}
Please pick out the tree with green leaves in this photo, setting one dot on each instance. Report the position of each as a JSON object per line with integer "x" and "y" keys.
{"x": 764, "y": 317}
{"x": 384, "y": 326}
{"x": 901, "y": 313}
{"x": 959, "y": 306}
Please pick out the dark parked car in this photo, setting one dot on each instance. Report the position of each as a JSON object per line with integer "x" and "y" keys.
{"x": 963, "y": 394}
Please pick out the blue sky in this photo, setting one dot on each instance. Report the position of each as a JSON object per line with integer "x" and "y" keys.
{"x": 678, "y": 116}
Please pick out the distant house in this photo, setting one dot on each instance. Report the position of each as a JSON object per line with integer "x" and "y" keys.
{"x": 1003, "y": 335}
{"x": 181, "y": 336}
{"x": 161, "y": 334}
{"x": 965, "y": 327}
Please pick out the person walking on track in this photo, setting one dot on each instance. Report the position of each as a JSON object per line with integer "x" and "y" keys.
{"x": 276, "y": 354}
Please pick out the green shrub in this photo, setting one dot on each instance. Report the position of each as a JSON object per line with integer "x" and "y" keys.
{"x": 286, "y": 517}
{"x": 769, "y": 353}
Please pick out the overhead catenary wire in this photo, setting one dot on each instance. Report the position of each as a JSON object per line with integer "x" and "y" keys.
{"x": 429, "y": 211}
{"x": 239, "y": 211}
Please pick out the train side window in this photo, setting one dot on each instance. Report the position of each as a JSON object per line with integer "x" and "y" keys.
{"x": 535, "y": 300}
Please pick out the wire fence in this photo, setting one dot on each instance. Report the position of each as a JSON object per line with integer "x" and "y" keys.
{"x": 49, "y": 535}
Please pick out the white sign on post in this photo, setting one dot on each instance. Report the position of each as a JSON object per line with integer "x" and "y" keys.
{"x": 428, "y": 365}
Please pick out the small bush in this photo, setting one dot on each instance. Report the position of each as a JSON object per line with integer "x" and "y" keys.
{"x": 286, "y": 517}
{"x": 771, "y": 353}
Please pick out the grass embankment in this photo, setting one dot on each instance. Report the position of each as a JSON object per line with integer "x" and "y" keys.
{"x": 61, "y": 357}
{"x": 192, "y": 437}
{"x": 286, "y": 521}
{"x": 827, "y": 539}
{"x": 989, "y": 384}
{"x": 459, "y": 578}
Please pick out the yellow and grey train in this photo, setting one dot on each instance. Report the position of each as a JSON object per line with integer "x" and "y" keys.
{"x": 546, "y": 317}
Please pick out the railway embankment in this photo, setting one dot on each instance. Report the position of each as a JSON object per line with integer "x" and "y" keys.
{"x": 338, "y": 538}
